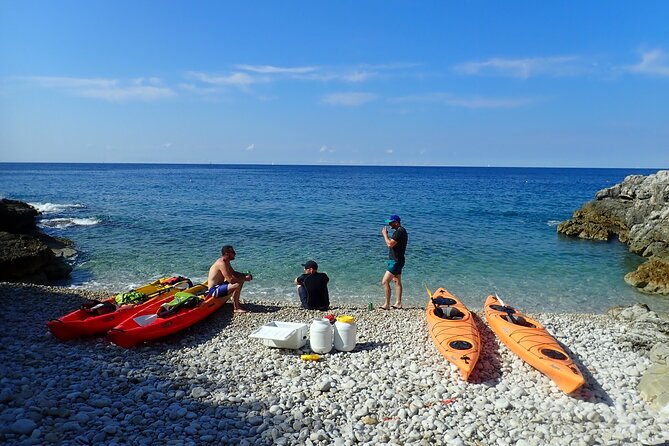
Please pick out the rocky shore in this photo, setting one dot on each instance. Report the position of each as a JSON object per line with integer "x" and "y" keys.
{"x": 26, "y": 253}
{"x": 635, "y": 211}
{"x": 213, "y": 385}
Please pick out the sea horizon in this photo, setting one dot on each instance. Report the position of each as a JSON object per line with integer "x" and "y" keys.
{"x": 158, "y": 163}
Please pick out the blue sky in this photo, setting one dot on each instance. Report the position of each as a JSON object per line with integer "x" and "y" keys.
{"x": 468, "y": 83}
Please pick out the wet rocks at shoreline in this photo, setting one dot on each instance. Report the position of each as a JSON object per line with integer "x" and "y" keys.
{"x": 211, "y": 384}
{"x": 28, "y": 254}
{"x": 635, "y": 211}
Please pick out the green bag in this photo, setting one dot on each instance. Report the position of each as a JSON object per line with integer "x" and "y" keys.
{"x": 181, "y": 299}
{"x": 131, "y": 297}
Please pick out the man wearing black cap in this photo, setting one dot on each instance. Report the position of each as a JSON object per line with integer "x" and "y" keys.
{"x": 397, "y": 245}
{"x": 312, "y": 287}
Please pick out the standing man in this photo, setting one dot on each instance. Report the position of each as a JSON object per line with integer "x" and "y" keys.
{"x": 223, "y": 279}
{"x": 312, "y": 287}
{"x": 397, "y": 244}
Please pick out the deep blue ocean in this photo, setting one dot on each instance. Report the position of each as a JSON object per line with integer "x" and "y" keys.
{"x": 472, "y": 230}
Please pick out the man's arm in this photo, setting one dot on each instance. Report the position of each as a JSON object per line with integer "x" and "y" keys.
{"x": 389, "y": 242}
{"x": 231, "y": 276}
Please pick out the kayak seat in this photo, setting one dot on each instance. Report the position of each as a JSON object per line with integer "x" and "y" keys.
{"x": 443, "y": 301}
{"x": 505, "y": 309}
{"x": 518, "y": 320}
{"x": 97, "y": 308}
{"x": 450, "y": 313}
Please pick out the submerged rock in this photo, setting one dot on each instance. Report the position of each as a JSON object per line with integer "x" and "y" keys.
{"x": 27, "y": 254}
{"x": 635, "y": 211}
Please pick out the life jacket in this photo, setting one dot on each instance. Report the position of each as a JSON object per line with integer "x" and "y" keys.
{"x": 181, "y": 299}
{"x": 173, "y": 280}
{"x": 131, "y": 297}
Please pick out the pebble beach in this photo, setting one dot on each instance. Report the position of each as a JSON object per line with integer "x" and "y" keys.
{"x": 211, "y": 384}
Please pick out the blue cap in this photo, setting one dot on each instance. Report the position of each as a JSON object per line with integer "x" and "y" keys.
{"x": 393, "y": 218}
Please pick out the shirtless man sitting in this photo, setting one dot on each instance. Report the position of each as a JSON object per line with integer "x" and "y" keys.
{"x": 223, "y": 279}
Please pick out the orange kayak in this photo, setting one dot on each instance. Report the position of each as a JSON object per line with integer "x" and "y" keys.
{"x": 98, "y": 317}
{"x": 151, "y": 323}
{"x": 453, "y": 331}
{"x": 533, "y": 343}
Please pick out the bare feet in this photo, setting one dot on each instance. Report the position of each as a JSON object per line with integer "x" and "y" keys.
{"x": 382, "y": 308}
{"x": 396, "y": 307}
{"x": 240, "y": 311}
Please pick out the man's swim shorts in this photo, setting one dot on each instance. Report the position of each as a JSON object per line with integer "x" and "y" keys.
{"x": 394, "y": 267}
{"x": 218, "y": 290}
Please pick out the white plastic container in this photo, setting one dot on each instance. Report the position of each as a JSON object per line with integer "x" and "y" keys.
{"x": 345, "y": 332}
{"x": 282, "y": 334}
{"x": 321, "y": 334}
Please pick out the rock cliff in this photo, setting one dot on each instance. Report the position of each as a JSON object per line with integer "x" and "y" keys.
{"x": 635, "y": 211}
{"x": 26, "y": 253}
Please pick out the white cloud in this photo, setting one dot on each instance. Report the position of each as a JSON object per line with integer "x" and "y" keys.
{"x": 389, "y": 151}
{"x": 524, "y": 68}
{"x": 478, "y": 102}
{"x": 111, "y": 90}
{"x": 269, "y": 69}
{"x": 246, "y": 75}
{"x": 325, "y": 149}
{"x": 360, "y": 73}
{"x": 199, "y": 90}
{"x": 350, "y": 99}
{"x": 251, "y": 147}
{"x": 358, "y": 76}
{"x": 654, "y": 62}
{"x": 237, "y": 79}
{"x": 467, "y": 102}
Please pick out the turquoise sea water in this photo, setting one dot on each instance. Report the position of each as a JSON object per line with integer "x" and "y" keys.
{"x": 471, "y": 230}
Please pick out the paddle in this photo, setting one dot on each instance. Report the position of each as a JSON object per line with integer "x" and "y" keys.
{"x": 183, "y": 285}
{"x": 499, "y": 299}
{"x": 429, "y": 293}
{"x": 146, "y": 319}
{"x": 510, "y": 313}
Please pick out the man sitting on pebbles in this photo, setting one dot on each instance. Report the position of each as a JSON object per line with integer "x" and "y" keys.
{"x": 312, "y": 287}
{"x": 223, "y": 279}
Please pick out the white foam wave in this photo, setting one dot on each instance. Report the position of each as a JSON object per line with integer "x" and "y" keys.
{"x": 51, "y": 208}
{"x": 553, "y": 223}
{"x": 61, "y": 223}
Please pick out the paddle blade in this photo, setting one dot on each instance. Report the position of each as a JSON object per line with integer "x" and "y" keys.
{"x": 500, "y": 300}
{"x": 145, "y": 320}
{"x": 429, "y": 293}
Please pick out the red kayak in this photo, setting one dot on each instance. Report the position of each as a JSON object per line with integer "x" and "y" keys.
{"x": 152, "y": 322}
{"x": 97, "y": 317}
